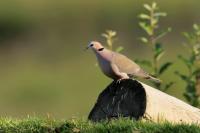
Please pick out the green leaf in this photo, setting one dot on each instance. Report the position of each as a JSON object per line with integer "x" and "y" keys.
{"x": 196, "y": 27}
{"x": 158, "y": 47}
{"x": 119, "y": 49}
{"x": 164, "y": 67}
{"x": 187, "y": 35}
{"x": 198, "y": 33}
{"x": 163, "y": 33}
{"x": 169, "y": 29}
{"x": 191, "y": 86}
{"x": 192, "y": 59}
{"x": 196, "y": 50}
{"x": 112, "y": 33}
{"x": 109, "y": 42}
{"x": 154, "y": 5}
{"x": 144, "y": 40}
{"x": 146, "y": 28}
{"x": 159, "y": 55}
{"x": 187, "y": 96}
{"x": 144, "y": 16}
{"x": 196, "y": 72}
{"x": 159, "y": 52}
{"x": 183, "y": 77}
{"x": 160, "y": 14}
{"x": 154, "y": 21}
{"x": 146, "y": 6}
{"x": 186, "y": 61}
{"x": 168, "y": 85}
{"x": 104, "y": 35}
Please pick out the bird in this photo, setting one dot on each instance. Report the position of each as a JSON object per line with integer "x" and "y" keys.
{"x": 117, "y": 66}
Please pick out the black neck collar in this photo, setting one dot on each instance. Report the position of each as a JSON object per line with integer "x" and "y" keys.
{"x": 101, "y": 49}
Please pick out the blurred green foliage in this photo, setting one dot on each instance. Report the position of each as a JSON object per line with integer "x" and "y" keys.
{"x": 110, "y": 37}
{"x": 192, "y": 61}
{"x": 150, "y": 24}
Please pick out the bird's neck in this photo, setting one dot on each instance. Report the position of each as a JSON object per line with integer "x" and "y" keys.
{"x": 104, "y": 54}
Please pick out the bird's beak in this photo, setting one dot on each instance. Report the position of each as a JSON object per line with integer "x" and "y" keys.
{"x": 87, "y": 47}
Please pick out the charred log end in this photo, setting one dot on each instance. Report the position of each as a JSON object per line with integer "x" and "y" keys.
{"x": 124, "y": 99}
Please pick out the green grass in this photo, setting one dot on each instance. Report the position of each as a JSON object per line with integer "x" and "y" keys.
{"x": 35, "y": 125}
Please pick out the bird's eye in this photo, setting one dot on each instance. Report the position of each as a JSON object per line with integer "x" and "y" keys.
{"x": 91, "y": 45}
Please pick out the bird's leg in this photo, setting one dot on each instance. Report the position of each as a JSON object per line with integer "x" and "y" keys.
{"x": 119, "y": 74}
{"x": 122, "y": 76}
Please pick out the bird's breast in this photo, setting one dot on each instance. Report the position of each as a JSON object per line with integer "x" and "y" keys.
{"x": 106, "y": 68}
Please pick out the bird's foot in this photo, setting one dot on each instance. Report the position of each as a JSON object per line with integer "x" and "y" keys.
{"x": 119, "y": 80}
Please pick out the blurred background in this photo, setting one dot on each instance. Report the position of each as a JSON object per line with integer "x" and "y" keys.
{"x": 43, "y": 67}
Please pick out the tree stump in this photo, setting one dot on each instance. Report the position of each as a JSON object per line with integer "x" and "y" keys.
{"x": 134, "y": 99}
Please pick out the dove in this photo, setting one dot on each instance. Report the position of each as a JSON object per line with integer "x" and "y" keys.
{"x": 117, "y": 66}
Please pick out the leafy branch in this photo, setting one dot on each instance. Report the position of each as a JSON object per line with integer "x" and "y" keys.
{"x": 110, "y": 37}
{"x": 149, "y": 22}
{"x": 192, "y": 62}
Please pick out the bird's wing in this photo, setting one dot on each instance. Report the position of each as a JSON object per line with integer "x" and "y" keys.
{"x": 124, "y": 64}
{"x": 128, "y": 66}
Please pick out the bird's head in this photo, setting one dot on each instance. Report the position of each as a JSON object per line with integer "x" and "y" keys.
{"x": 96, "y": 46}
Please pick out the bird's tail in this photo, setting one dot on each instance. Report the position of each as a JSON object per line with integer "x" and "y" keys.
{"x": 154, "y": 79}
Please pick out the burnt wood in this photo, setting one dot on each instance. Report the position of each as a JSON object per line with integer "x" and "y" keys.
{"x": 126, "y": 98}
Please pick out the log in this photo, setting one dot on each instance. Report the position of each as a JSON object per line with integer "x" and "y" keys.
{"x": 134, "y": 99}
{"x": 163, "y": 107}
{"x": 124, "y": 99}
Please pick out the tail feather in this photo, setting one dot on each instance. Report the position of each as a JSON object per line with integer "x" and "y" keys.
{"x": 146, "y": 75}
{"x": 154, "y": 79}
